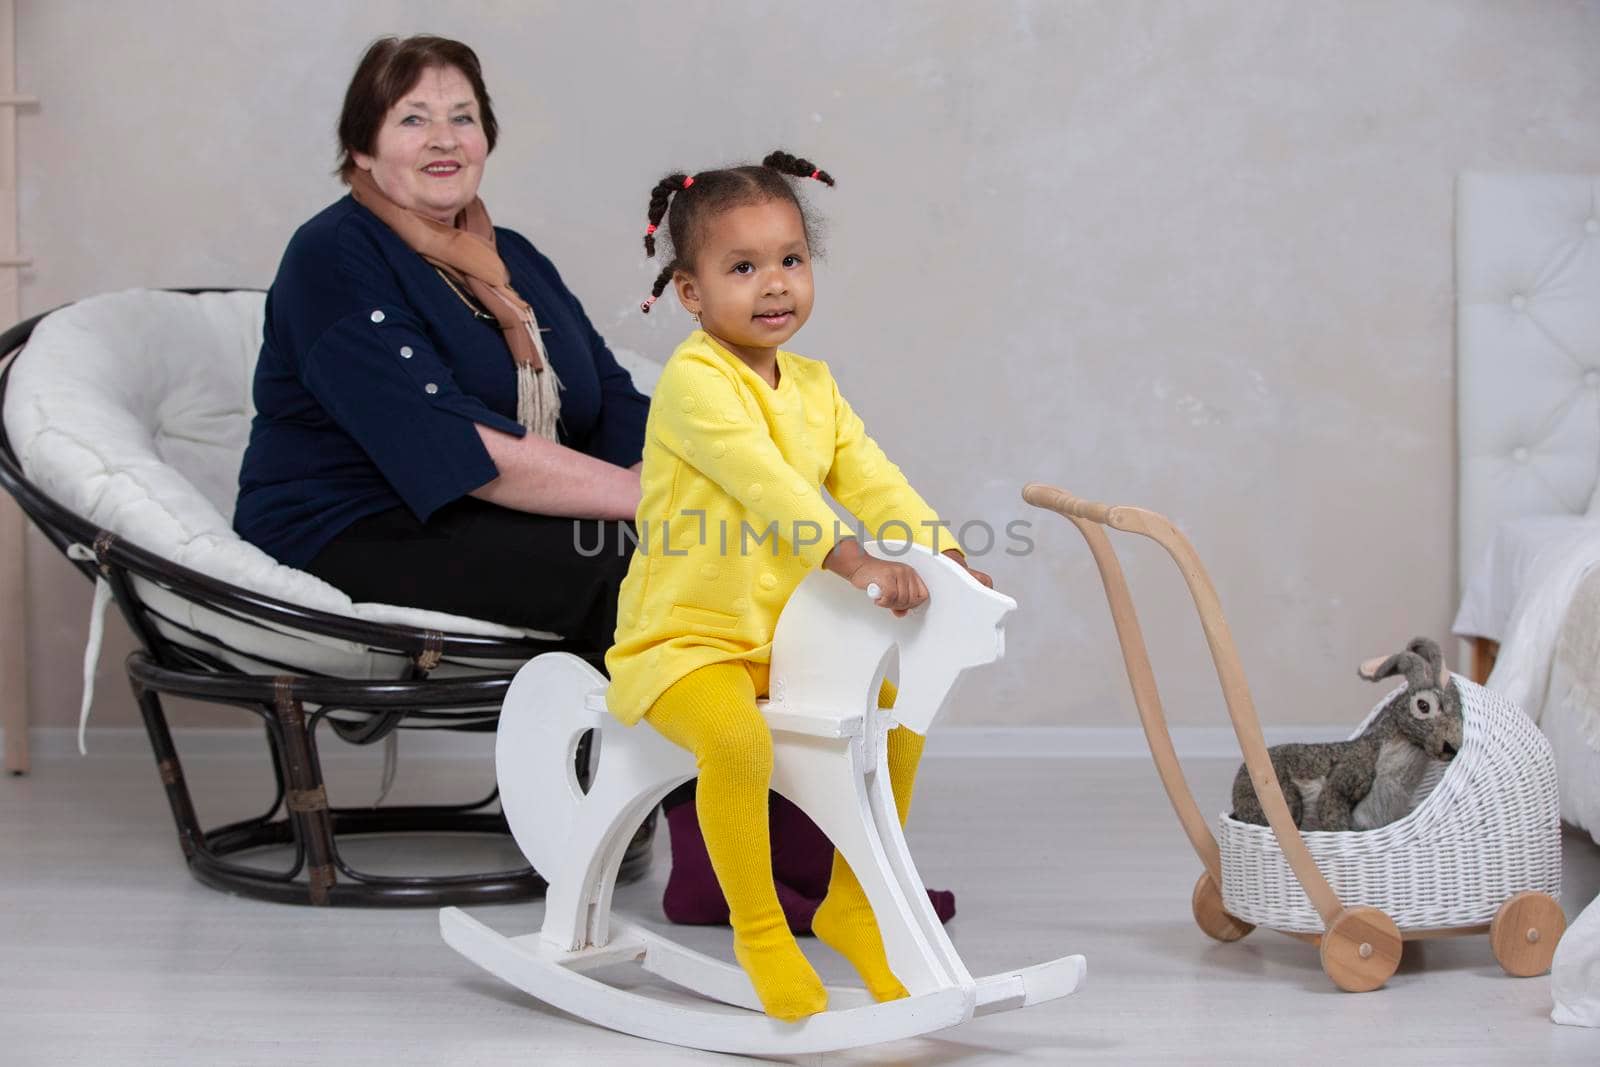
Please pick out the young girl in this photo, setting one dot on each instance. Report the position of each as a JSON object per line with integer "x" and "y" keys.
{"x": 740, "y": 436}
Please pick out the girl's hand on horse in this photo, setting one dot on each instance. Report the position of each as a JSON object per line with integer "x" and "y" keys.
{"x": 900, "y": 586}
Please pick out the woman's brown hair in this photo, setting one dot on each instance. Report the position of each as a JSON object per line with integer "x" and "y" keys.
{"x": 388, "y": 70}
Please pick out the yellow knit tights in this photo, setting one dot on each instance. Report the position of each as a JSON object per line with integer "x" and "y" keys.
{"x": 712, "y": 713}
{"x": 844, "y": 922}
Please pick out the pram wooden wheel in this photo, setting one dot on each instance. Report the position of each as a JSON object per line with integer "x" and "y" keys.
{"x": 1524, "y": 933}
{"x": 1209, "y": 914}
{"x": 1360, "y": 949}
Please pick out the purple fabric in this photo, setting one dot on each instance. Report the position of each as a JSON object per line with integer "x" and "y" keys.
{"x": 802, "y": 862}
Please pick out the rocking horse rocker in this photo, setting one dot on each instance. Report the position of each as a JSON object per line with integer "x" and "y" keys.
{"x": 830, "y": 652}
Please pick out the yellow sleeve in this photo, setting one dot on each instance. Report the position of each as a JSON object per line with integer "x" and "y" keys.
{"x": 872, "y": 488}
{"x": 701, "y": 417}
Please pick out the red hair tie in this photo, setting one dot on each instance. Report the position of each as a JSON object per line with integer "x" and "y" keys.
{"x": 645, "y": 307}
{"x": 650, "y": 229}
{"x": 688, "y": 182}
{"x": 815, "y": 173}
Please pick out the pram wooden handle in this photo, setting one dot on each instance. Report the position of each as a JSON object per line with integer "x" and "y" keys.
{"x": 1059, "y": 500}
{"x": 1089, "y": 517}
{"x": 1117, "y": 516}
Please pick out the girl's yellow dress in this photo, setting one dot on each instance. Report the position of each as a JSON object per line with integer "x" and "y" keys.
{"x": 730, "y": 521}
{"x": 732, "y": 517}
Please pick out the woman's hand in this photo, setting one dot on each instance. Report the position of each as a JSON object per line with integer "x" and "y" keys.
{"x": 900, "y": 586}
{"x": 546, "y": 478}
{"x": 956, "y": 554}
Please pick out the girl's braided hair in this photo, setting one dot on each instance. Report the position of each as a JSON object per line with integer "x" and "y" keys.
{"x": 688, "y": 202}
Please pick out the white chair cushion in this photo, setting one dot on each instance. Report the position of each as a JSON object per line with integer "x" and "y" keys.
{"x": 133, "y": 410}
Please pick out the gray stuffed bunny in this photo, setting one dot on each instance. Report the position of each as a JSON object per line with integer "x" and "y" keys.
{"x": 1367, "y": 782}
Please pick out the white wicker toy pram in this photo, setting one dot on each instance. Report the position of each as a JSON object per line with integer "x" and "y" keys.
{"x": 1480, "y": 852}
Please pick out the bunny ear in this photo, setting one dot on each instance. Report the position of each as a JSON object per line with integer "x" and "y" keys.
{"x": 1429, "y": 650}
{"x": 1381, "y": 667}
{"x": 1416, "y": 669}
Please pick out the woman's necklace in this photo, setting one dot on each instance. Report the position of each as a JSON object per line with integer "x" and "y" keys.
{"x": 477, "y": 309}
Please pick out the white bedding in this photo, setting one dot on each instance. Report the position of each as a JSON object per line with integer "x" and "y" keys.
{"x": 1550, "y": 576}
{"x": 1515, "y": 549}
{"x": 1543, "y": 667}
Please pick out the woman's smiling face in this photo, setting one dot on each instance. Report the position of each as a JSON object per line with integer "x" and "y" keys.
{"x": 431, "y": 147}
{"x": 751, "y": 280}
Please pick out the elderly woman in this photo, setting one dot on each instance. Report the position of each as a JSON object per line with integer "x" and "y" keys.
{"x": 438, "y": 423}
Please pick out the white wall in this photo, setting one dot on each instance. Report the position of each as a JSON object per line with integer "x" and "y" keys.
{"x": 1192, "y": 256}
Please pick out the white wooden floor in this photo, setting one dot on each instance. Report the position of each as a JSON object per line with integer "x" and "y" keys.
{"x": 111, "y": 954}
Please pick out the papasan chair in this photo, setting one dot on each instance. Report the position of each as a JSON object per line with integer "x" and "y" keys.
{"x": 125, "y": 417}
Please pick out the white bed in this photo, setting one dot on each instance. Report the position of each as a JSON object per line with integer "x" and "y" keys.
{"x": 1504, "y": 567}
{"x": 1528, "y": 422}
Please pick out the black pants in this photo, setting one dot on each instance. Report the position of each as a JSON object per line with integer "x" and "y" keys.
{"x": 487, "y": 562}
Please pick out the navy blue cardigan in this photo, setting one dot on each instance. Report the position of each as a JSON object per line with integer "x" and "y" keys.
{"x": 373, "y": 373}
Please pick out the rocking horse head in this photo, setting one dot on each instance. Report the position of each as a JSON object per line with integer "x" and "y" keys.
{"x": 833, "y": 646}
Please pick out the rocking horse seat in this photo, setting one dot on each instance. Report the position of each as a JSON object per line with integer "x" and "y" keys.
{"x": 779, "y": 716}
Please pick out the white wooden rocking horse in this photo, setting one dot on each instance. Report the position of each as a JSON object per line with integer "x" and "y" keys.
{"x": 831, "y": 651}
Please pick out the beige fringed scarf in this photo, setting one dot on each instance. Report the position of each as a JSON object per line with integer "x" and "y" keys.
{"x": 468, "y": 249}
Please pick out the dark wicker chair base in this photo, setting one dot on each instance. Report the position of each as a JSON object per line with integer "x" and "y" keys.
{"x": 300, "y": 816}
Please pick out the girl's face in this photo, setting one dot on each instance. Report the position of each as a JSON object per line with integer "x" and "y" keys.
{"x": 431, "y": 147}
{"x": 751, "y": 282}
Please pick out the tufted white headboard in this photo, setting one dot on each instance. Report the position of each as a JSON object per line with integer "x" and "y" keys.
{"x": 1527, "y": 349}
